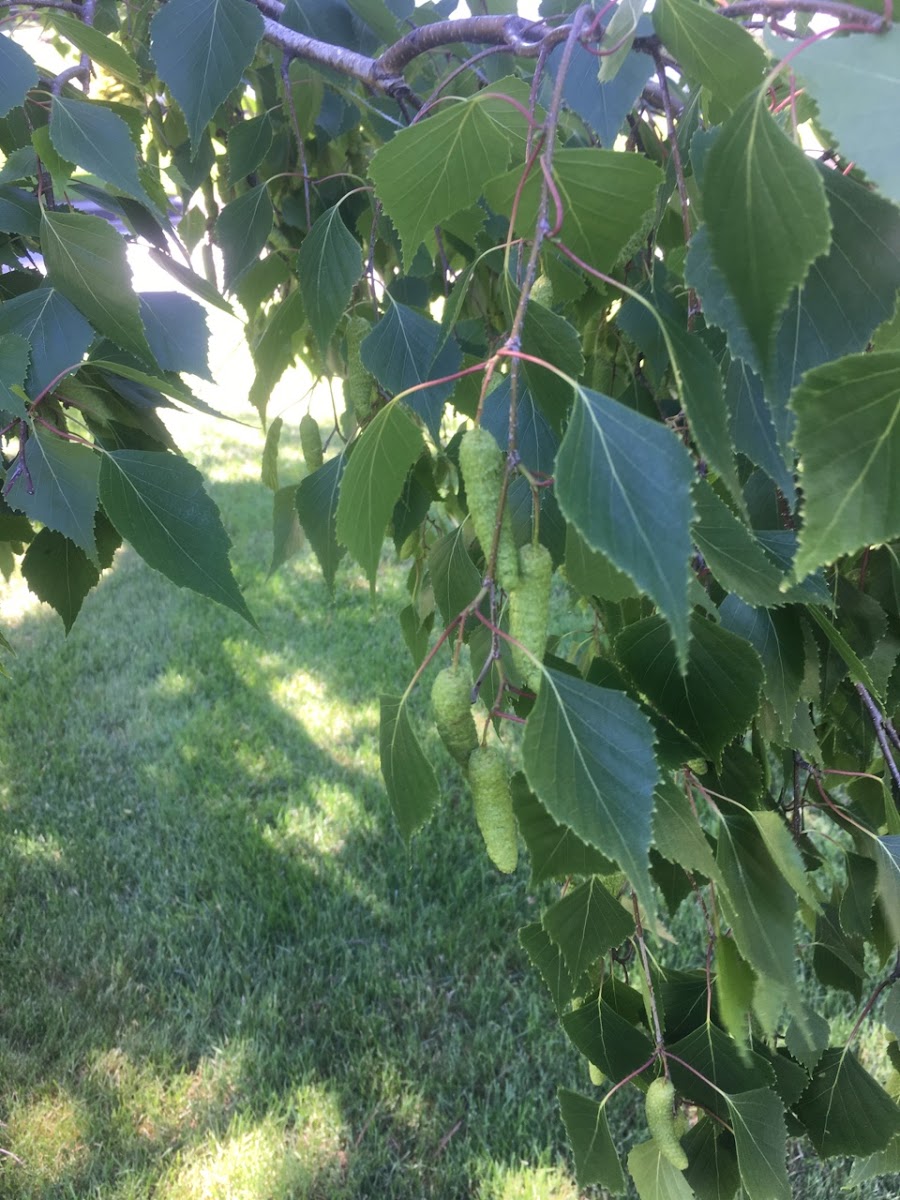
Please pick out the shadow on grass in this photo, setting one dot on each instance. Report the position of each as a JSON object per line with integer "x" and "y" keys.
{"x": 221, "y": 971}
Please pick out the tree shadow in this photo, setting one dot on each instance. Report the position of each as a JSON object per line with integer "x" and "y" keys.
{"x": 212, "y": 927}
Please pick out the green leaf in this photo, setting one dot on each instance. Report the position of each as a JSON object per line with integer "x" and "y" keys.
{"x": 654, "y": 1176}
{"x": 57, "y": 486}
{"x": 713, "y": 1171}
{"x": 735, "y": 983}
{"x": 624, "y": 482}
{"x": 242, "y": 229}
{"x": 785, "y": 854}
{"x": 98, "y": 47}
{"x": 248, "y": 145}
{"x": 713, "y": 51}
{"x": 15, "y": 352}
{"x": 378, "y": 17}
{"x": 269, "y": 468}
{"x": 733, "y": 554}
{"x": 858, "y": 899}
{"x": 438, "y": 166}
{"x": 61, "y": 574}
{"x": 329, "y": 264}
{"x": 807, "y": 1036}
{"x": 408, "y": 775}
{"x": 678, "y": 836}
{"x": 17, "y": 74}
{"x": 762, "y": 259}
{"x": 588, "y": 755}
{"x": 760, "y": 1133}
{"x": 546, "y": 957}
{"x": 287, "y": 535}
{"x": 777, "y": 637}
{"x": 856, "y": 84}
{"x": 620, "y": 34}
{"x": 605, "y": 196}
{"x": 718, "y": 697}
{"x": 191, "y": 280}
{"x": 454, "y": 577}
{"x": 844, "y": 1110}
{"x": 592, "y": 574}
{"x": 759, "y": 903}
{"x": 60, "y": 169}
{"x": 607, "y": 1039}
{"x": 201, "y": 48}
{"x": 57, "y": 333}
{"x": 177, "y": 332}
{"x": 848, "y": 437}
{"x": 718, "y": 1066}
{"x": 373, "y": 481}
{"x": 555, "y": 851}
{"x": 94, "y": 137}
{"x": 586, "y": 923}
{"x": 596, "y": 1158}
{"x": 86, "y": 261}
{"x": 158, "y": 504}
{"x": 317, "y": 503}
{"x": 885, "y": 1162}
{"x": 275, "y": 349}
{"x": 887, "y": 859}
{"x": 20, "y": 212}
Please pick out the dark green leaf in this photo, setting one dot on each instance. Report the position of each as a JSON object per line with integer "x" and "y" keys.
{"x": 408, "y": 775}
{"x": 59, "y": 573}
{"x": 654, "y": 1176}
{"x": 733, "y": 554}
{"x": 20, "y": 212}
{"x": 592, "y": 574}
{"x": 158, "y": 504}
{"x": 177, "y": 332}
{"x": 17, "y": 74}
{"x": 98, "y": 47}
{"x": 546, "y": 957}
{"x": 191, "y": 280}
{"x": 317, "y": 502}
{"x": 373, "y": 481}
{"x": 586, "y": 923}
{"x": 717, "y": 53}
{"x": 15, "y": 352}
{"x": 624, "y": 482}
{"x": 777, "y": 637}
{"x": 807, "y": 1036}
{"x": 596, "y": 1158}
{"x": 588, "y": 755}
{"x": 602, "y": 106}
{"x": 677, "y": 833}
{"x": 555, "y": 851}
{"x": 718, "y": 1066}
{"x": 330, "y": 263}
{"x": 454, "y": 577}
{"x": 607, "y": 1039}
{"x": 761, "y": 259}
{"x": 242, "y": 229}
{"x": 57, "y": 333}
{"x": 887, "y": 859}
{"x": 718, "y": 697}
{"x": 94, "y": 137}
{"x": 713, "y": 1170}
{"x": 201, "y": 50}
{"x": 86, "y": 261}
{"x": 844, "y": 1110}
{"x": 248, "y": 145}
{"x": 735, "y": 981}
{"x": 848, "y": 436}
{"x": 760, "y": 1134}
{"x": 57, "y": 486}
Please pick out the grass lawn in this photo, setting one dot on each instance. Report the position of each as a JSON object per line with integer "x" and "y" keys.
{"x": 222, "y": 975}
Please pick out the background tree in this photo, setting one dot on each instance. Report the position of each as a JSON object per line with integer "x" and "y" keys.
{"x": 612, "y": 299}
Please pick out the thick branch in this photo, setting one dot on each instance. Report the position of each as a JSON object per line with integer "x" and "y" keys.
{"x": 524, "y": 38}
{"x": 828, "y": 8}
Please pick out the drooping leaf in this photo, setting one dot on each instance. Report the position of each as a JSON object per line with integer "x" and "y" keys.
{"x": 373, "y": 481}
{"x": 317, "y": 503}
{"x": 275, "y": 349}
{"x": 56, "y": 331}
{"x": 588, "y": 755}
{"x": 609, "y": 1040}
{"x": 61, "y": 574}
{"x": 158, "y": 504}
{"x": 596, "y": 1158}
{"x": 848, "y": 436}
{"x": 735, "y": 982}
{"x": 17, "y": 74}
{"x": 715, "y": 52}
{"x": 57, "y": 486}
{"x": 547, "y": 958}
{"x": 97, "y": 139}
{"x": 844, "y": 1111}
{"x": 857, "y": 900}
{"x": 454, "y": 577}
{"x": 605, "y": 199}
{"x": 86, "y": 261}
{"x": 712, "y": 1171}
{"x": 856, "y": 84}
{"x": 807, "y": 1036}
{"x": 98, "y": 47}
{"x": 438, "y": 166}
{"x": 287, "y": 534}
{"x": 719, "y": 1065}
{"x": 15, "y": 353}
{"x": 777, "y": 637}
{"x": 718, "y": 697}
{"x": 408, "y": 775}
{"x": 201, "y": 49}
{"x": 733, "y": 554}
{"x": 402, "y": 351}
{"x": 177, "y": 332}
{"x": 555, "y": 851}
{"x": 329, "y": 263}
{"x": 624, "y": 482}
{"x": 760, "y": 1133}
{"x": 678, "y": 835}
{"x": 585, "y": 923}
{"x": 242, "y": 229}
{"x": 753, "y": 426}
{"x": 191, "y": 280}
{"x": 654, "y": 1176}
{"x": 762, "y": 259}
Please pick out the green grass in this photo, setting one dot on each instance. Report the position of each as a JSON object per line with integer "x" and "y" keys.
{"x": 222, "y": 974}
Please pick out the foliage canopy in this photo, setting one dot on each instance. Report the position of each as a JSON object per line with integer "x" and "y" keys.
{"x": 656, "y": 259}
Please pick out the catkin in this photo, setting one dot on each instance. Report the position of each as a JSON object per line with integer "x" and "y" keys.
{"x": 311, "y": 442}
{"x": 529, "y": 611}
{"x": 489, "y": 780}
{"x": 659, "y": 1102}
{"x": 483, "y": 465}
{"x": 451, "y": 701}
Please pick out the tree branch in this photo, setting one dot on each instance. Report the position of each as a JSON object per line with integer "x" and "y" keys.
{"x": 828, "y": 8}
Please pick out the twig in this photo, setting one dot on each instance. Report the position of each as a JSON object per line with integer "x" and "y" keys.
{"x": 645, "y": 963}
{"x": 298, "y": 137}
{"x": 828, "y": 8}
{"x": 878, "y": 723}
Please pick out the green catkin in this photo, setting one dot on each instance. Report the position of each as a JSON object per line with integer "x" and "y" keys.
{"x": 529, "y": 611}
{"x": 483, "y": 465}
{"x": 659, "y": 1102}
{"x": 451, "y": 701}
{"x": 311, "y": 442}
{"x": 489, "y": 780}
{"x": 358, "y": 387}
